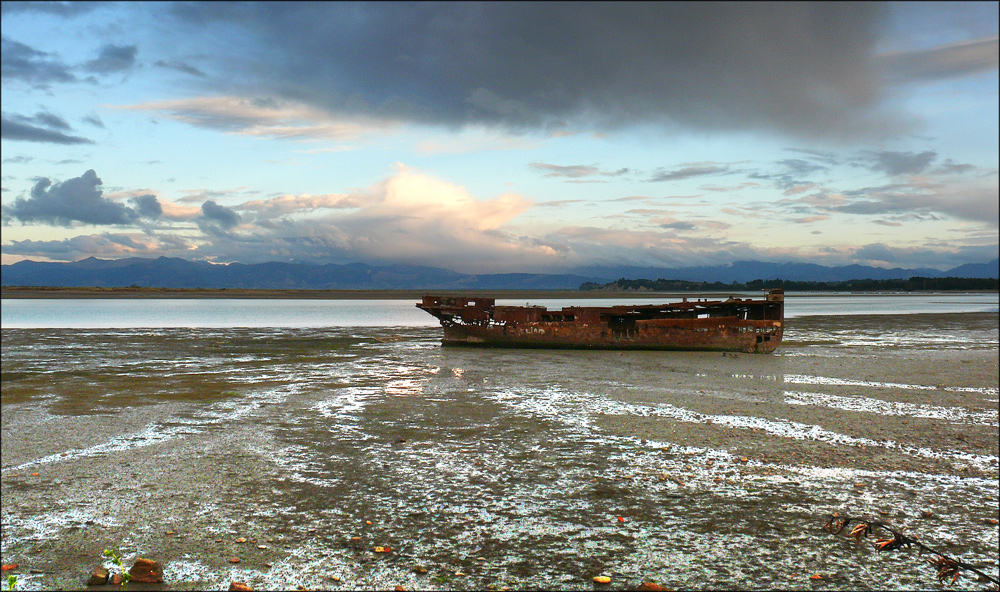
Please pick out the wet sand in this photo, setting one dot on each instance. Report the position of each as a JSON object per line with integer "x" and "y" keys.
{"x": 509, "y": 466}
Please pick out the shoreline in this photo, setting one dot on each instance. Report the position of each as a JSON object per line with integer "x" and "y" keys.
{"x": 40, "y": 292}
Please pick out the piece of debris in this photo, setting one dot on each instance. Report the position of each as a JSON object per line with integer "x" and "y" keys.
{"x": 99, "y": 577}
{"x": 146, "y": 570}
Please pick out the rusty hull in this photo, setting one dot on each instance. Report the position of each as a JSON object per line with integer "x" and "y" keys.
{"x": 738, "y": 325}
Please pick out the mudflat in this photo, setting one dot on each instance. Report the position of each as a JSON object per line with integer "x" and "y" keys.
{"x": 299, "y": 452}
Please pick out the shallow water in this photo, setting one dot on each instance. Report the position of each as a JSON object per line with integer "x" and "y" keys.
{"x": 517, "y": 468}
{"x": 125, "y": 313}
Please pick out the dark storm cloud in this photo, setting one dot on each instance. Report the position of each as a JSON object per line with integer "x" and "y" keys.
{"x": 43, "y": 118}
{"x": 222, "y": 216}
{"x": 10, "y": 129}
{"x": 951, "y": 61}
{"x": 147, "y": 206}
{"x": 976, "y": 202}
{"x": 39, "y": 68}
{"x": 902, "y": 163}
{"x": 21, "y": 62}
{"x": 56, "y": 8}
{"x": 807, "y": 69}
{"x": 113, "y": 58}
{"x": 79, "y": 199}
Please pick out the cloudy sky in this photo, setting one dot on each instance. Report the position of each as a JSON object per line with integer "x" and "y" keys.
{"x": 501, "y": 137}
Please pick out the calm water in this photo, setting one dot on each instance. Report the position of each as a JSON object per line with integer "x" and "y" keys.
{"x": 296, "y": 423}
{"x": 125, "y": 313}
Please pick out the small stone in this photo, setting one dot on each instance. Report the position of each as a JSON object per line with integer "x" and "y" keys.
{"x": 368, "y": 522}
{"x": 651, "y": 587}
{"x": 621, "y": 519}
{"x": 744, "y": 459}
{"x": 859, "y": 484}
{"x": 99, "y": 577}
{"x": 261, "y": 547}
{"x": 382, "y": 549}
{"x": 116, "y": 580}
{"x": 146, "y": 570}
{"x": 218, "y": 540}
{"x": 420, "y": 569}
{"x": 234, "y": 560}
{"x": 815, "y": 577}
{"x": 268, "y": 565}
{"x": 459, "y": 574}
{"x": 239, "y": 587}
{"x": 602, "y": 580}
{"x": 399, "y": 589}
{"x": 241, "y": 540}
{"x": 8, "y": 566}
{"x": 926, "y": 514}
{"x": 335, "y": 578}
{"x": 992, "y": 520}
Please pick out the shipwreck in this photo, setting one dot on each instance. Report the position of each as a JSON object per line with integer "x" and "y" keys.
{"x": 734, "y": 325}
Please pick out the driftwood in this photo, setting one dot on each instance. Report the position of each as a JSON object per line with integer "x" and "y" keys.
{"x": 888, "y": 538}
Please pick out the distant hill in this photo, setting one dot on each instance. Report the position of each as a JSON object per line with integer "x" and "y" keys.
{"x": 912, "y": 284}
{"x": 976, "y": 270}
{"x": 167, "y": 272}
{"x": 746, "y": 271}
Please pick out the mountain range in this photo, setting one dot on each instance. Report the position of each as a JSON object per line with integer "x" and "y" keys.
{"x": 165, "y": 272}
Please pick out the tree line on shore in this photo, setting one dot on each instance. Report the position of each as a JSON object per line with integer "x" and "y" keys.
{"x": 913, "y": 284}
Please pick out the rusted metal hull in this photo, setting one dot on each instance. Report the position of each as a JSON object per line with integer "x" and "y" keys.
{"x": 752, "y": 326}
{"x": 721, "y": 335}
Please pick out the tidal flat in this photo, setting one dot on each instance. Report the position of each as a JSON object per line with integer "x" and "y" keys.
{"x": 502, "y": 468}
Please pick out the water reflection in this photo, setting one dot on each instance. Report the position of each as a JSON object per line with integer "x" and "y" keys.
{"x": 164, "y": 313}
